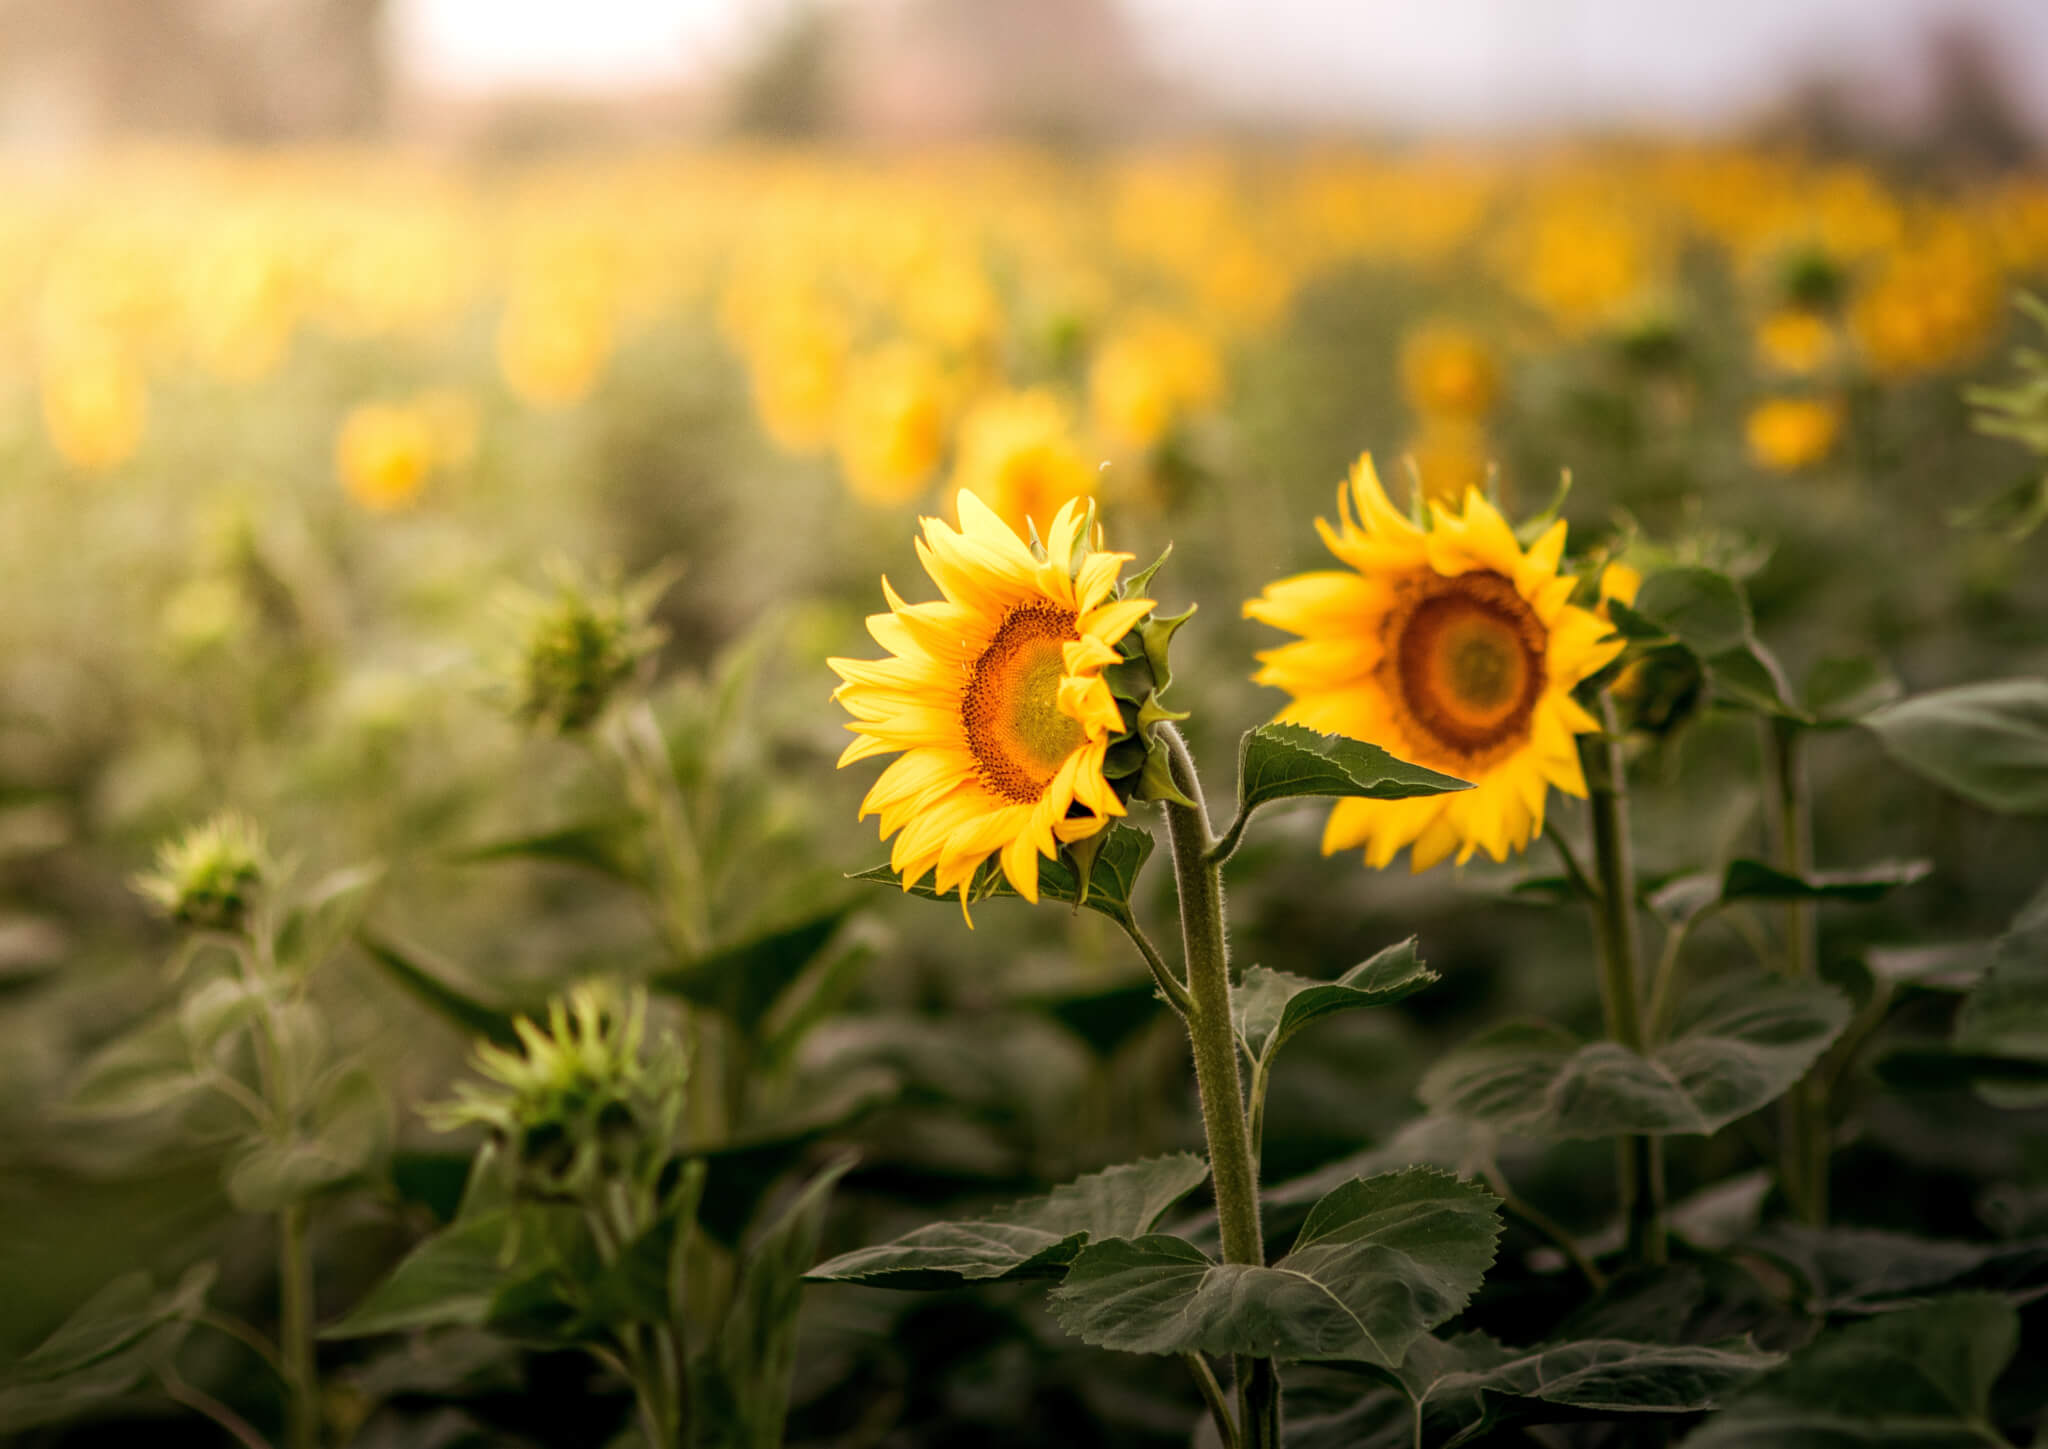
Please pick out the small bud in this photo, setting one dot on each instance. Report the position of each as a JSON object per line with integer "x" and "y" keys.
{"x": 211, "y": 877}
{"x": 587, "y": 1101}
{"x": 581, "y": 646}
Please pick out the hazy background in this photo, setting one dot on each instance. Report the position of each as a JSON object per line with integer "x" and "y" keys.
{"x": 1968, "y": 76}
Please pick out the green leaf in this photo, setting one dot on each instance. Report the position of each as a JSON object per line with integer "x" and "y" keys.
{"x": 2000, "y": 1041}
{"x": 1739, "y": 1048}
{"x": 432, "y": 989}
{"x": 1921, "y": 1378}
{"x": 1268, "y": 1007}
{"x": 1288, "y": 762}
{"x": 350, "y": 1130}
{"x": 149, "y": 1068}
{"x": 1110, "y": 883}
{"x": 218, "y": 1009}
{"x": 1987, "y": 742}
{"x": 326, "y": 914}
{"x": 605, "y": 846}
{"x": 1749, "y": 675}
{"x": 1035, "y": 1238}
{"x": 1700, "y": 608}
{"x": 1378, "y": 1263}
{"x": 742, "y": 1381}
{"x": 103, "y": 1349}
{"x": 1865, "y": 1270}
{"x": 746, "y": 979}
{"x": 1754, "y": 880}
{"x": 1842, "y": 690}
{"x": 453, "y": 1277}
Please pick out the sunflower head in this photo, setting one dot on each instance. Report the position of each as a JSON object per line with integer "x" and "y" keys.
{"x": 1452, "y": 646}
{"x": 1012, "y": 700}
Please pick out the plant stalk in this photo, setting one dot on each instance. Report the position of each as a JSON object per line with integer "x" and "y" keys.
{"x": 1803, "y": 1110}
{"x": 1199, "y": 878}
{"x": 1639, "y": 1159}
{"x": 295, "y": 1329}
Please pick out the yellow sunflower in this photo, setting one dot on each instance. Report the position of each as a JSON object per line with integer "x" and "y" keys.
{"x": 1452, "y": 647}
{"x": 995, "y": 697}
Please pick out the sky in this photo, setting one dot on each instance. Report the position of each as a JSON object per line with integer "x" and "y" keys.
{"x": 1481, "y": 66}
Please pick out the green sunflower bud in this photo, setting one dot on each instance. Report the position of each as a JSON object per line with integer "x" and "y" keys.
{"x": 580, "y": 647}
{"x": 211, "y": 877}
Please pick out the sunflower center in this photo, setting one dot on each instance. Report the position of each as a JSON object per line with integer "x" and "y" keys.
{"x": 1016, "y": 730}
{"x": 1469, "y": 655}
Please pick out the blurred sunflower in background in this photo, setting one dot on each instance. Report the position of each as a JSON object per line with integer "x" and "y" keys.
{"x": 1450, "y": 646}
{"x": 995, "y": 697}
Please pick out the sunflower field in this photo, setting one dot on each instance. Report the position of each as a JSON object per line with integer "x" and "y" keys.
{"x": 1230, "y": 797}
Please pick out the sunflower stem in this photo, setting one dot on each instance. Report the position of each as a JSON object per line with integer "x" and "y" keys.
{"x": 1803, "y": 1110}
{"x": 1199, "y": 878}
{"x": 1639, "y": 1159}
{"x": 295, "y": 1333}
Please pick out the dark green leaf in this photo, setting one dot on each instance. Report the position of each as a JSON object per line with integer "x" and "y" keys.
{"x": 1741, "y": 1047}
{"x": 1378, "y": 1263}
{"x": 742, "y": 1380}
{"x": 1920, "y": 1378}
{"x": 323, "y": 918}
{"x": 1288, "y": 762}
{"x": 746, "y": 979}
{"x": 1863, "y": 1270}
{"x": 431, "y": 988}
{"x": 1110, "y": 883}
{"x": 453, "y": 1277}
{"x": 1987, "y": 742}
{"x": 1702, "y": 609}
{"x": 1754, "y": 880}
{"x": 1749, "y": 675}
{"x": 1268, "y": 1007}
{"x": 1034, "y": 1238}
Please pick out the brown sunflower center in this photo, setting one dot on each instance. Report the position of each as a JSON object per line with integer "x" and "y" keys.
{"x": 1015, "y": 728}
{"x": 1468, "y": 657}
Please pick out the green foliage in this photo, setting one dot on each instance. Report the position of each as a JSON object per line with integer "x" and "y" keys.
{"x": 1921, "y": 1376}
{"x": 1287, "y": 762}
{"x": 1987, "y": 742}
{"x": 115, "y": 1340}
{"x": 1706, "y": 613}
{"x": 1269, "y": 1007}
{"x": 1453, "y": 1391}
{"x": 1379, "y": 1262}
{"x": 1740, "y": 1047}
{"x": 1036, "y": 1238}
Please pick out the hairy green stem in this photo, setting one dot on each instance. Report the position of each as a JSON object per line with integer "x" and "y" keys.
{"x": 1213, "y": 1399}
{"x": 1231, "y": 1169}
{"x": 1547, "y": 1225}
{"x": 1170, "y": 985}
{"x": 1639, "y": 1159}
{"x": 1803, "y": 1110}
{"x": 295, "y": 1330}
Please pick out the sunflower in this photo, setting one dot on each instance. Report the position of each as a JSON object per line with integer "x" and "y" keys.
{"x": 994, "y": 695}
{"x": 1451, "y": 646}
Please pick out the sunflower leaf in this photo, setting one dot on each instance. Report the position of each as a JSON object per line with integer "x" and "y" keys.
{"x": 1379, "y": 1262}
{"x": 1743, "y": 1045}
{"x": 1035, "y": 1238}
{"x": 1987, "y": 742}
{"x": 1919, "y": 1376}
{"x": 1289, "y": 762}
{"x": 1111, "y": 880}
{"x": 1268, "y": 1007}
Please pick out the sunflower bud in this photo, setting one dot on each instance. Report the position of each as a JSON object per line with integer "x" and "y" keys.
{"x": 585, "y": 1102}
{"x": 211, "y": 877}
{"x": 581, "y": 646}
